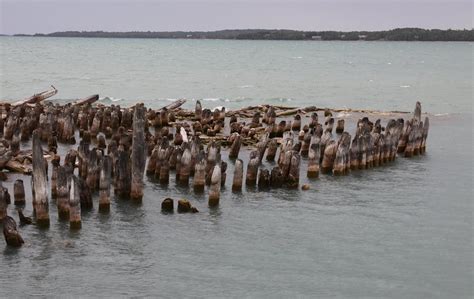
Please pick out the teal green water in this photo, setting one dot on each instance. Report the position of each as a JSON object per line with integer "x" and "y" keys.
{"x": 399, "y": 231}
{"x": 378, "y": 75}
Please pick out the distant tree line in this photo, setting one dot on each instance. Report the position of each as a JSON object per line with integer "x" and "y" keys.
{"x": 399, "y": 34}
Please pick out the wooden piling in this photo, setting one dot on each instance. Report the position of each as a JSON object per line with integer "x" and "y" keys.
{"x": 39, "y": 183}
{"x": 63, "y": 184}
{"x": 104, "y": 184}
{"x": 238, "y": 175}
{"x": 10, "y": 232}
{"x": 19, "y": 193}
{"x": 138, "y": 157}
{"x": 215, "y": 188}
{"x": 74, "y": 204}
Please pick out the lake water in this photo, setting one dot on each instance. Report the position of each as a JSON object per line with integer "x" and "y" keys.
{"x": 401, "y": 230}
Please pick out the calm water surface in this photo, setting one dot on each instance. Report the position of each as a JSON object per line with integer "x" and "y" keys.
{"x": 403, "y": 230}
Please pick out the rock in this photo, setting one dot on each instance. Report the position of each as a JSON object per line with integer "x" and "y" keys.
{"x": 168, "y": 205}
{"x": 305, "y": 187}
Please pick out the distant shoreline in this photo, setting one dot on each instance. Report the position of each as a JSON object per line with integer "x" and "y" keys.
{"x": 400, "y": 34}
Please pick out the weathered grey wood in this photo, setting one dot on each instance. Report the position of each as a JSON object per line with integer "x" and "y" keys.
{"x": 39, "y": 183}
{"x": 36, "y": 98}
{"x": 75, "y": 221}
{"x": 104, "y": 184}
{"x": 215, "y": 188}
{"x": 340, "y": 126}
{"x": 329, "y": 156}
{"x": 313, "y": 160}
{"x": 272, "y": 149}
{"x": 63, "y": 184}
{"x": 138, "y": 157}
{"x": 238, "y": 175}
{"x": 426, "y": 128}
{"x": 122, "y": 174}
{"x": 342, "y": 159}
{"x": 19, "y": 192}
{"x": 199, "y": 175}
{"x": 54, "y": 176}
{"x": 263, "y": 179}
{"x": 185, "y": 166}
{"x": 252, "y": 169}
{"x": 10, "y": 232}
{"x": 4, "y": 201}
{"x": 235, "y": 147}
{"x": 294, "y": 173}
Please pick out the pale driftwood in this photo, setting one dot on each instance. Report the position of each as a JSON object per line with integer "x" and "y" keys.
{"x": 215, "y": 188}
{"x": 87, "y": 100}
{"x": 36, "y": 98}
{"x": 39, "y": 184}
{"x": 174, "y": 105}
{"x": 75, "y": 221}
{"x": 138, "y": 157}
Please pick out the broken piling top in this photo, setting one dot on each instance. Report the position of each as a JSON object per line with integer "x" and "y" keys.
{"x": 39, "y": 182}
{"x": 138, "y": 156}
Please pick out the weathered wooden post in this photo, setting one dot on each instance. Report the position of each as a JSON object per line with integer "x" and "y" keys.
{"x": 3, "y": 203}
{"x": 215, "y": 189}
{"x": 426, "y": 128}
{"x": 199, "y": 175}
{"x": 313, "y": 160}
{"x": 54, "y": 176}
{"x": 167, "y": 205}
{"x": 74, "y": 204}
{"x": 63, "y": 184}
{"x": 272, "y": 149}
{"x": 19, "y": 192}
{"x": 238, "y": 175}
{"x": 39, "y": 184}
{"x": 276, "y": 177}
{"x": 296, "y": 125}
{"x": 294, "y": 173}
{"x": 185, "y": 166}
{"x": 252, "y": 169}
{"x": 223, "y": 173}
{"x": 122, "y": 173}
{"x": 342, "y": 154}
{"x": 138, "y": 157}
{"x": 235, "y": 147}
{"x": 329, "y": 156}
{"x": 10, "y": 232}
{"x": 198, "y": 111}
{"x": 340, "y": 126}
{"x": 263, "y": 179}
{"x": 104, "y": 184}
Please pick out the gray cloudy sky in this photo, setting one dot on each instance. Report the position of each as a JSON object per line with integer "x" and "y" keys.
{"x": 44, "y": 16}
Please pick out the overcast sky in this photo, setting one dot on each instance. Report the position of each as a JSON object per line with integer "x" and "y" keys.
{"x": 40, "y": 16}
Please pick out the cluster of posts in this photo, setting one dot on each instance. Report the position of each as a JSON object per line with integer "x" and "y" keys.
{"x": 115, "y": 143}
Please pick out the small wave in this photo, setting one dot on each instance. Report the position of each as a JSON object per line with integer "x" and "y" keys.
{"x": 110, "y": 99}
{"x": 246, "y": 86}
{"x": 211, "y": 99}
{"x": 343, "y": 114}
{"x": 389, "y": 63}
{"x": 405, "y": 86}
{"x": 441, "y": 114}
{"x": 297, "y": 57}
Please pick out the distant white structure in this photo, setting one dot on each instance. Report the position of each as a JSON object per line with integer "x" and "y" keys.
{"x": 316, "y": 37}
{"x": 362, "y": 36}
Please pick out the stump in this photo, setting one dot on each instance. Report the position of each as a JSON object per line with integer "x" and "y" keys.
{"x": 167, "y": 205}
{"x": 199, "y": 175}
{"x": 74, "y": 204}
{"x": 313, "y": 160}
{"x": 104, "y": 184}
{"x": 238, "y": 175}
{"x": 215, "y": 189}
{"x": 19, "y": 192}
{"x": 138, "y": 157}
{"x": 63, "y": 184}
{"x": 39, "y": 184}
{"x": 10, "y": 232}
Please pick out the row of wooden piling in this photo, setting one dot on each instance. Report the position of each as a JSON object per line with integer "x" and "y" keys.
{"x": 123, "y": 139}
